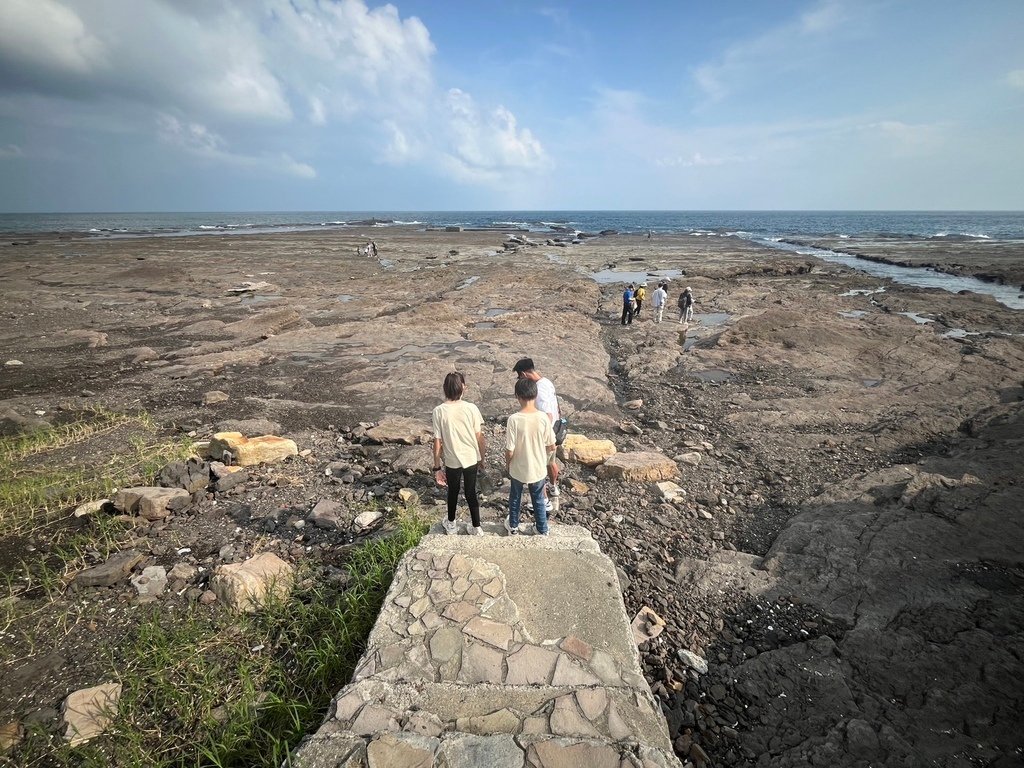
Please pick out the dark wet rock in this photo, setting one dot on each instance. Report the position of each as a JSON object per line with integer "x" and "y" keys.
{"x": 192, "y": 475}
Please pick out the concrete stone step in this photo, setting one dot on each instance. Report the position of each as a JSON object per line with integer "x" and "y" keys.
{"x": 515, "y": 647}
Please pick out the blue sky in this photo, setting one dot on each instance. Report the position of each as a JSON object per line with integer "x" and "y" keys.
{"x": 347, "y": 105}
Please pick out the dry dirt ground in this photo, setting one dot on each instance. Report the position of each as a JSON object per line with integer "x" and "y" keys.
{"x": 848, "y": 553}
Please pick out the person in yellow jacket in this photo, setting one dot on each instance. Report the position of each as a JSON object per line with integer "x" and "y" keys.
{"x": 638, "y": 296}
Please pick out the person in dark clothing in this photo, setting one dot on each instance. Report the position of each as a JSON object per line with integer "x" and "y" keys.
{"x": 627, "y": 305}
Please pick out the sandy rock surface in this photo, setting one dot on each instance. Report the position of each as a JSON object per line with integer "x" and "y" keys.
{"x": 847, "y": 557}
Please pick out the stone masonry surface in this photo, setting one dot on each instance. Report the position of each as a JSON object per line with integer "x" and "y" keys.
{"x": 498, "y": 651}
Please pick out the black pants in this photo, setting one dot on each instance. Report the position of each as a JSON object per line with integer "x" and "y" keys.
{"x": 627, "y": 313}
{"x": 639, "y": 302}
{"x": 454, "y": 476}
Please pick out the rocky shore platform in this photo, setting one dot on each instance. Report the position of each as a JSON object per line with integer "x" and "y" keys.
{"x": 838, "y": 566}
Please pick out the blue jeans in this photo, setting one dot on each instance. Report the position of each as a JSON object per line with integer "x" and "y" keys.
{"x": 540, "y": 508}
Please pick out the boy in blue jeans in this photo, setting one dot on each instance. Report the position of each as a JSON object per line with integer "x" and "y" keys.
{"x": 529, "y": 446}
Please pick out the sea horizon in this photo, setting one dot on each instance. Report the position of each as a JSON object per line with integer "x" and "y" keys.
{"x": 758, "y": 224}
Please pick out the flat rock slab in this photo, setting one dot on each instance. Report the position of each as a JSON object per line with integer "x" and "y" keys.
{"x": 582, "y": 450}
{"x": 400, "y": 429}
{"x": 247, "y": 451}
{"x": 643, "y": 467}
{"x": 150, "y": 502}
{"x": 108, "y": 573}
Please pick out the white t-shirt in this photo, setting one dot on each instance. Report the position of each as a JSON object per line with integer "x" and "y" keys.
{"x": 547, "y": 401}
{"x": 528, "y": 436}
{"x": 456, "y": 424}
{"x": 659, "y": 297}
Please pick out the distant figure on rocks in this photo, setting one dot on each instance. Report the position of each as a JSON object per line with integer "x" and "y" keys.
{"x": 627, "y": 305}
{"x": 547, "y": 402}
{"x": 458, "y": 450}
{"x": 658, "y": 299}
{"x": 686, "y": 305}
{"x": 373, "y": 249}
{"x": 638, "y": 298}
{"x": 529, "y": 449}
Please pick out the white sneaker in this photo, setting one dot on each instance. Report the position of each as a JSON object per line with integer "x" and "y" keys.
{"x": 474, "y": 530}
{"x": 508, "y": 527}
{"x": 553, "y": 490}
{"x": 450, "y": 528}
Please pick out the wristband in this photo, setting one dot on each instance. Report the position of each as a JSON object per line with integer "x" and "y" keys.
{"x": 437, "y": 469}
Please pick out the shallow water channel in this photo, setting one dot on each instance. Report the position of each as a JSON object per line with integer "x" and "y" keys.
{"x": 921, "y": 277}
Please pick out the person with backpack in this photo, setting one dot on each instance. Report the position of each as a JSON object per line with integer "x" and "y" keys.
{"x": 638, "y": 297}
{"x": 686, "y": 305}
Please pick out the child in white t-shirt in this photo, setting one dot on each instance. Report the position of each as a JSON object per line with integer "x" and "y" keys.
{"x": 529, "y": 446}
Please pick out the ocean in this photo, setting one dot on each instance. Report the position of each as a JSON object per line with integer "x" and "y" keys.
{"x": 757, "y": 225}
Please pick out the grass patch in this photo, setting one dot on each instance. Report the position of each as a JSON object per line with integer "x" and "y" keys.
{"x": 208, "y": 688}
{"x": 44, "y": 472}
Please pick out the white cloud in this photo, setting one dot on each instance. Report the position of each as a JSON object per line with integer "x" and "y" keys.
{"x": 1015, "y": 79}
{"x": 484, "y": 145}
{"x": 11, "y": 150}
{"x": 777, "y": 49}
{"x": 696, "y": 160}
{"x": 246, "y": 74}
{"x": 47, "y": 35}
{"x": 200, "y": 141}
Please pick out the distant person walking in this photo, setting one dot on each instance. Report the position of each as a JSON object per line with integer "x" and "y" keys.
{"x": 529, "y": 448}
{"x": 627, "y": 305}
{"x": 686, "y": 305}
{"x": 638, "y": 297}
{"x": 658, "y": 299}
{"x": 458, "y": 450}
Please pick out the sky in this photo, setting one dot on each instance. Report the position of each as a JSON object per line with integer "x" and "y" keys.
{"x": 347, "y": 105}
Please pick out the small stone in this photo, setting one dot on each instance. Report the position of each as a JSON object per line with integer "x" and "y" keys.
{"x": 633, "y": 405}
{"x": 367, "y": 519}
{"x": 408, "y": 496}
{"x": 11, "y": 735}
{"x": 668, "y": 490}
{"x": 88, "y": 712}
{"x": 244, "y": 586}
{"x": 646, "y": 625}
{"x": 209, "y": 597}
{"x": 693, "y": 661}
{"x": 691, "y": 458}
{"x": 152, "y": 503}
{"x": 13, "y": 363}
{"x": 183, "y": 571}
{"x": 90, "y": 507}
{"x": 116, "y": 567}
{"x": 213, "y": 397}
{"x": 326, "y": 514}
{"x": 151, "y": 582}
{"x": 638, "y": 467}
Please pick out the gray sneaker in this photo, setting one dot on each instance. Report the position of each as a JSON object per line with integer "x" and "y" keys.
{"x": 450, "y": 528}
{"x": 508, "y": 527}
{"x": 474, "y": 530}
